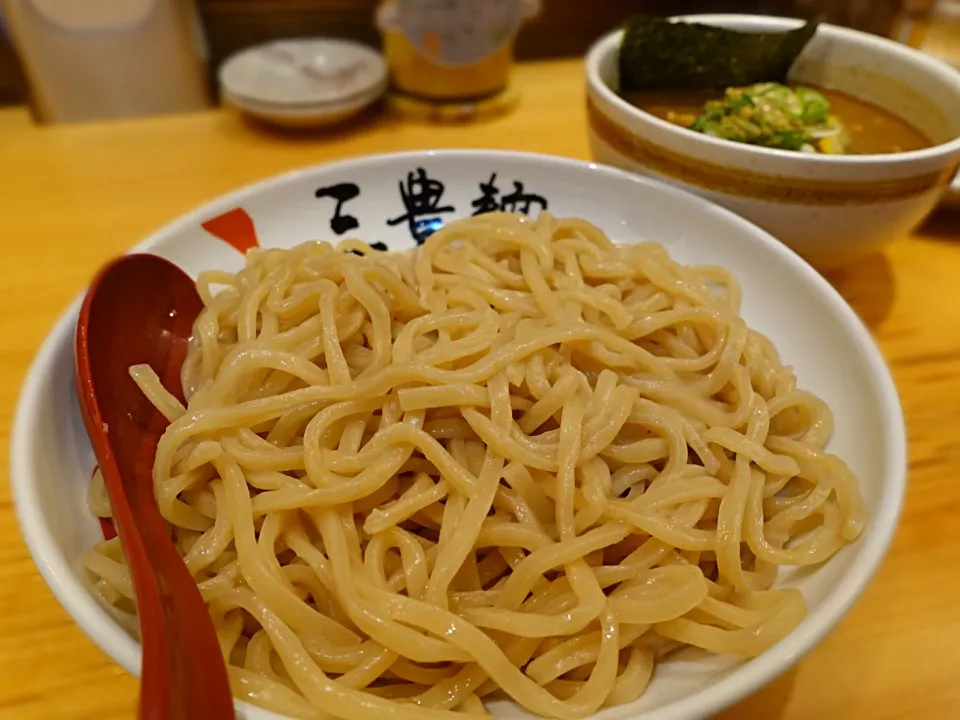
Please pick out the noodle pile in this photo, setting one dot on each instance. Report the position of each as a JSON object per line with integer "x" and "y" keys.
{"x": 519, "y": 461}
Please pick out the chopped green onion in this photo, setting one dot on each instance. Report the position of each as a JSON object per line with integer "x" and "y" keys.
{"x": 772, "y": 115}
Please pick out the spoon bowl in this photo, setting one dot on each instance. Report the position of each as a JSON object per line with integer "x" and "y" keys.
{"x": 140, "y": 309}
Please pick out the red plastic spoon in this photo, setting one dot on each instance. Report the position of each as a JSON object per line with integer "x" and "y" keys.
{"x": 140, "y": 309}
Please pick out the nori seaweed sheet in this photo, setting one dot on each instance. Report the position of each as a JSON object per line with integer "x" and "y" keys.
{"x": 657, "y": 54}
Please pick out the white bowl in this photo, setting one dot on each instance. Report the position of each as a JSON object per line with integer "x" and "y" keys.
{"x": 812, "y": 326}
{"x": 830, "y": 209}
{"x": 310, "y": 71}
{"x": 304, "y": 116}
{"x": 308, "y": 83}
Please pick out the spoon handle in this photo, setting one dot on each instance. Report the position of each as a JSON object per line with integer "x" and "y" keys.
{"x": 178, "y": 680}
{"x": 140, "y": 309}
{"x": 176, "y": 645}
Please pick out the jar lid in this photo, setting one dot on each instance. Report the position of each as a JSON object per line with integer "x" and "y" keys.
{"x": 304, "y": 72}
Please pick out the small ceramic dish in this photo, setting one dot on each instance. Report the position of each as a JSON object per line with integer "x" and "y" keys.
{"x": 303, "y": 116}
{"x": 829, "y": 208}
{"x": 380, "y": 199}
{"x": 303, "y": 83}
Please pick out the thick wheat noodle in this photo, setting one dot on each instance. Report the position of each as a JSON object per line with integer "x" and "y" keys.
{"x": 518, "y": 461}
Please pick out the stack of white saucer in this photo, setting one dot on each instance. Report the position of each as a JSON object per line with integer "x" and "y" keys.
{"x": 303, "y": 83}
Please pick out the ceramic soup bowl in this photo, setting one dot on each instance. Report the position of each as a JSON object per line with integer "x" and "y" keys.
{"x": 829, "y": 208}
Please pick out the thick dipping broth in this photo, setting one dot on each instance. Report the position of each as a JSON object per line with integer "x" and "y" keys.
{"x": 869, "y": 130}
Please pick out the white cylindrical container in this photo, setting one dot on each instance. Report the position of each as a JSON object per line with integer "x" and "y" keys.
{"x": 108, "y": 58}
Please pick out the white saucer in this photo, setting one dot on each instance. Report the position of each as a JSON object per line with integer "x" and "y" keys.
{"x": 307, "y": 72}
{"x": 303, "y": 116}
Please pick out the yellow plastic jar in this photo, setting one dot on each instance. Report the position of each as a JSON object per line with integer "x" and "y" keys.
{"x": 449, "y": 50}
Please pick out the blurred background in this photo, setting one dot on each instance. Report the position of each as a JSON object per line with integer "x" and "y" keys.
{"x": 44, "y": 31}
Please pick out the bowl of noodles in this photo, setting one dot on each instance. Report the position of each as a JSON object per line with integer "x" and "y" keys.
{"x": 481, "y": 432}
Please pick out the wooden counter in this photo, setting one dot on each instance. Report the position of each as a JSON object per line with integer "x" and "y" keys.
{"x": 71, "y": 197}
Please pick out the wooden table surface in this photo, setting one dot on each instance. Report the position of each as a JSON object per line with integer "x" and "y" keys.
{"x": 71, "y": 197}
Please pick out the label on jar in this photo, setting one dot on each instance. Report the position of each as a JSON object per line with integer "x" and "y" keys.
{"x": 457, "y": 32}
